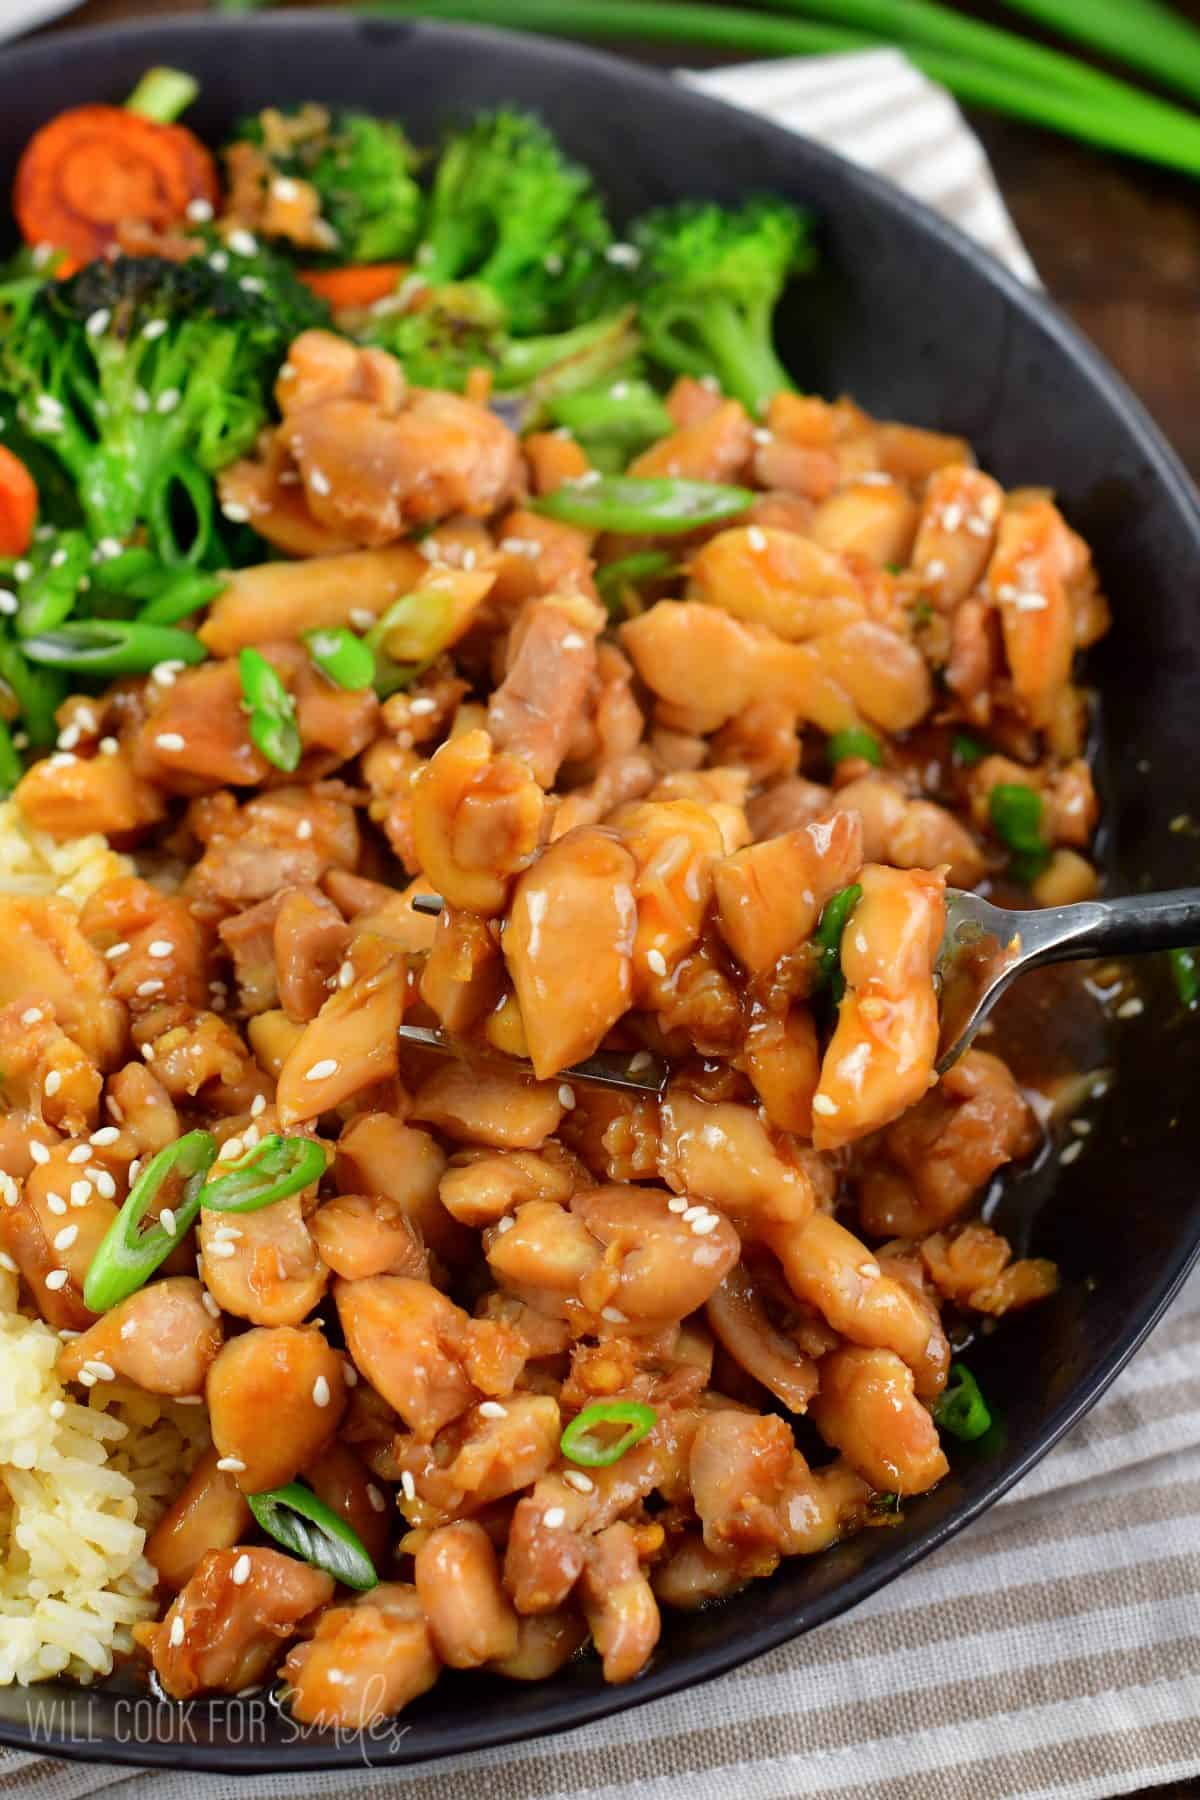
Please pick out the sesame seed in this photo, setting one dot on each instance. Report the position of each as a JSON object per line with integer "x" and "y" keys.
{"x": 978, "y": 527}
{"x": 345, "y": 975}
{"x": 163, "y": 674}
{"x": 656, "y": 962}
{"x": 702, "y": 1227}
{"x": 583, "y": 1484}
{"x": 361, "y": 618}
{"x": 154, "y": 328}
{"x": 199, "y": 211}
{"x": 491, "y": 1409}
{"x": 756, "y": 537}
{"x": 376, "y": 1498}
{"x": 236, "y": 513}
{"x": 231, "y": 1149}
{"x": 553, "y": 1517}
{"x": 574, "y": 640}
{"x": 349, "y": 1374}
{"x": 167, "y": 401}
{"x": 285, "y": 189}
{"x": 318, "y": 481}
{"x": 81, "y": 1193}
{"x": 408, "y": 1484}
{"x": 144, "y": 989}
{"x": 258, "y": 1106}
{"x": 642, "y": 1060}
{"x": 68, "y": 739}
{"x": 104, "y": 1184}
{"x": 1071, "y": 1151}
{"x": 148, "y": 1052}
{"x": 566, "y": 1095}
{"x": 1032, "y": 603}
{"x": 241, "y": 1571}
{"x": 107, "y": 548}
{"x": 422, "y": 705}
{"x": 62, "y": 759}
{"x": 242, "y": 243}
{"x": 221, "y": 1248}
{"x": 31, "y": 1016}
{"x": 141, "y": 401}
{"x": 80, "y": 1154}
{"x": 39, "y": 1152}
{"x": 824, "y": 1105}
{"x": 57, "y": 1278}
{"x": 8, "y": 602}
{"x": 56, "y": 1204}
{"x": 231, "y": 1465}
{"x": 85, "y": 1377}
{"x": 320, "y": 1392}
{"x": 623, "y": 256}
{"x": 166, "y": 1219}
{"x": 1129, "y": 1009}
{"x": 250, "y": 284}
{"x": 678, "y": 1204}
{"x": 504, "y": 1224}
{"x": 116, "y": 950}
{"x": 304, "y": 830}
{"x": 614, "y": 1315}
{"x": 103, "y": 1371}
{"x": 169, "y": 740}
{"x": 176, "y": 1633}
{"x": 1081, "y": 1127}
{"x": 52, "y": 1084}
{"x": 322, "y": 1070}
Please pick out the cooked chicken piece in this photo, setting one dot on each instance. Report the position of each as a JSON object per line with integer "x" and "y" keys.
{"x": 771, "y": 894}
{"x": 551, "y": 660}
{"x": 228, "y": 1626}
{"x": 365, "y": 1661}
{"x": 568, "y": 946}
{"x": 163, "y": 1339}
{"x": 275, "y": 1398}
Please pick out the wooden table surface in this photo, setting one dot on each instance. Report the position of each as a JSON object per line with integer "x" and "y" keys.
{"x": 1117, "y": 244}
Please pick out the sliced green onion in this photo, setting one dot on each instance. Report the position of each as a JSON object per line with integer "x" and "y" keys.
{"x": 630, "y": 571}
{"x": 38, "y": 692}
{"x": 113, "y": 647}
{"x": 341, "y": 657}
{"x": 295, "y": 1518}
{"x": 183, "y": 592}
{"x": 961, "y": 1409}
{"x": 835, "y": 916}
{"x": 1185, "y": 969}
{"x": 967, "y": 751}
{"x": 1016, "y": 815}
{"x": 272, "y": 1170}
{"x": 855, "y": 741}
{"x": 273, "y": 728}
{"x": 48, "y": 596}
{"x": 661, "y": 508}
{"x": 625, "y": 416}
{"x": 126, "y": 1258}
{"x": 162, "y": 94}
{"x": 580, "y": 1444}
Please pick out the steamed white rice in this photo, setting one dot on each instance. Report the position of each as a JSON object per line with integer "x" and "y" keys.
{"x": 32, "y": 862}
{"x": 81, "y": 1484}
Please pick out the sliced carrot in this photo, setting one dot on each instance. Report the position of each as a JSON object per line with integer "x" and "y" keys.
{"x": 358, "y": 284}
{"x": 95, "y": 167}
{"x": 18, "y": 505}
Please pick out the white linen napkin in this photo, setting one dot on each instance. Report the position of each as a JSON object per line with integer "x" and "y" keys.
{"x": 1051, "y": 1650}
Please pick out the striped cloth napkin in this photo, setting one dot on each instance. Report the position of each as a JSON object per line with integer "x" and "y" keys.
{"x": 1051, "y": 1650}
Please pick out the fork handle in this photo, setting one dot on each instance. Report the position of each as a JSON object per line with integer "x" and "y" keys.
{"x": 1123, "y": 927}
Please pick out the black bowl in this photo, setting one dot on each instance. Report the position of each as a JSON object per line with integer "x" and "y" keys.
{"x": 917, "y": 324}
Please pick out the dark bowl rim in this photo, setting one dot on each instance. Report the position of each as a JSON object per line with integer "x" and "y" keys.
{"x": 565, "y": 1712}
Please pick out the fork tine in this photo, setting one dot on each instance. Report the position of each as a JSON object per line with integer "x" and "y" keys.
{"x": 632, "y": 1071}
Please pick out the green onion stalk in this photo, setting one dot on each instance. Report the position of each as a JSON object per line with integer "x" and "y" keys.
{"x": 993, "y": 69}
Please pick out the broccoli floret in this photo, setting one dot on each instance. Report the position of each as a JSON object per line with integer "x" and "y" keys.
{"x": 362, "y": 169}
{"x": 709, "y": 280}
{"x": 509, "y": 209}
{"x": 143, "y": 377}
{"x": 443, "y": 334}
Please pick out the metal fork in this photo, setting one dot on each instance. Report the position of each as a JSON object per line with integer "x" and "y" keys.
{"x": 984, "y": 949}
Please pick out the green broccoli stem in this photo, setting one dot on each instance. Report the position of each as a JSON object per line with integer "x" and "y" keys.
{"x": 1110, "y": 114}
{"x": 162, "y": 95}
{"x": 1142, "y": 33}
{"x": 743, "y": 356}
